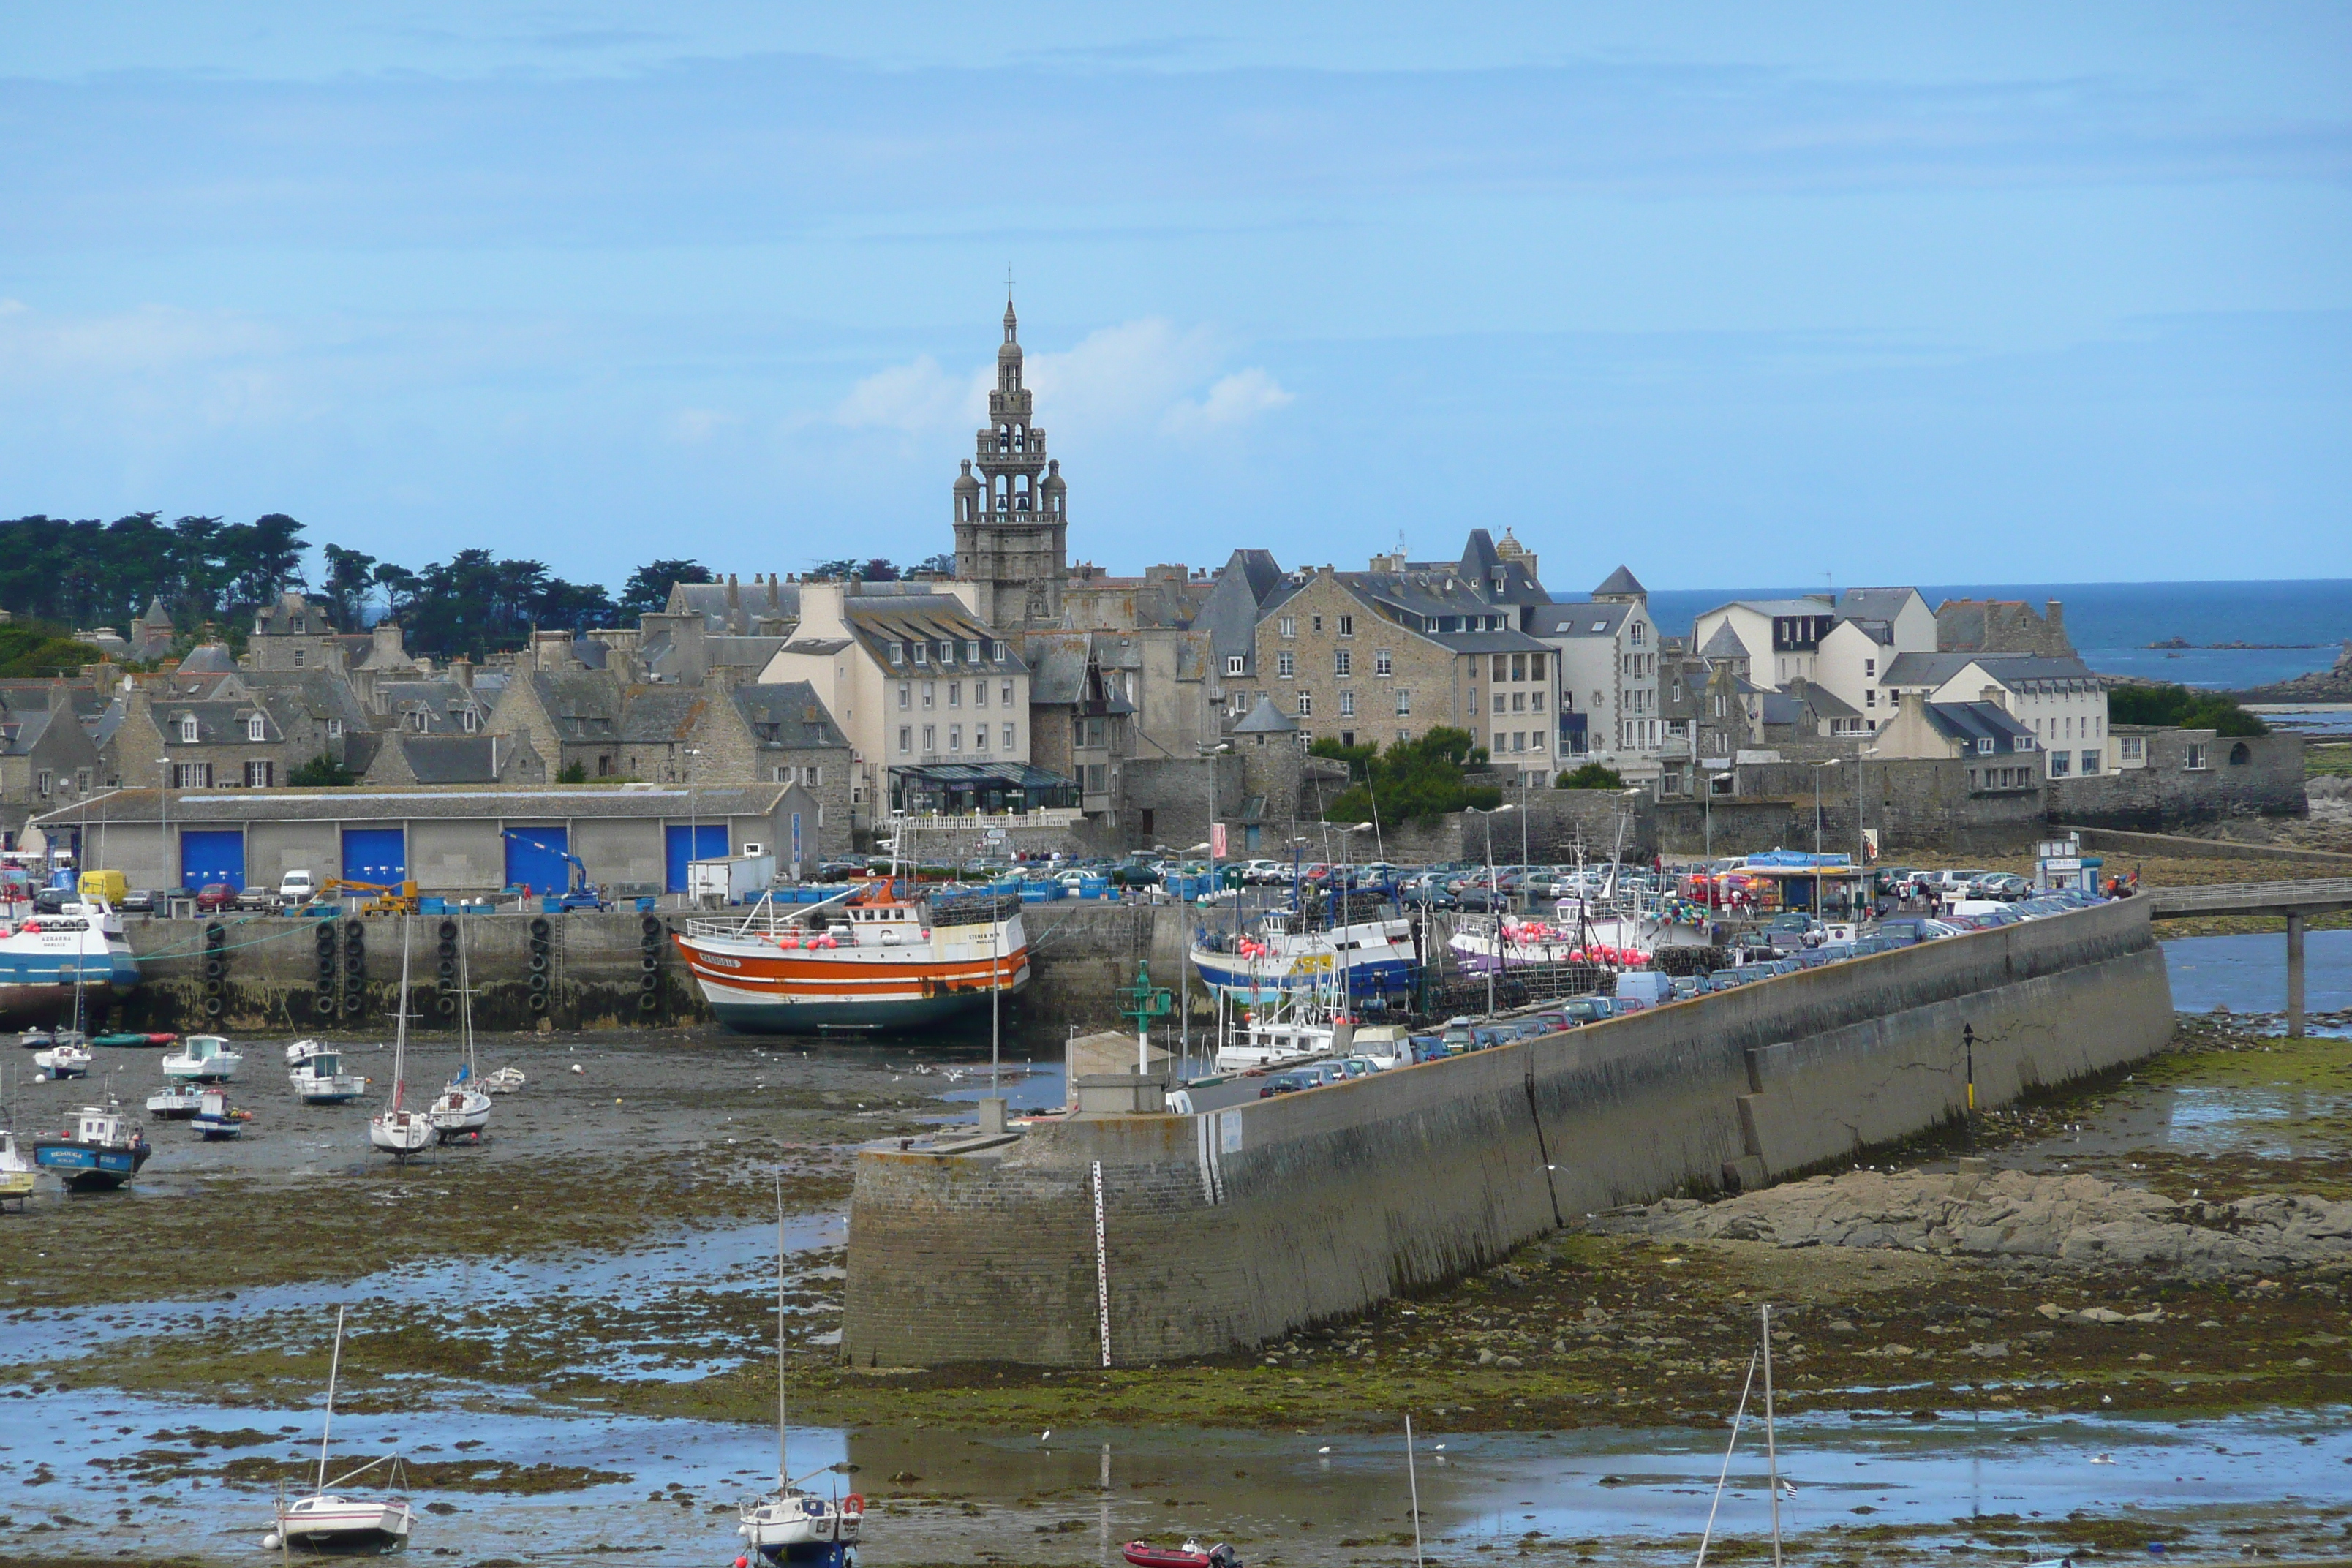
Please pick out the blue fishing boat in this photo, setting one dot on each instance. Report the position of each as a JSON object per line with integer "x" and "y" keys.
{"x": 1361, "y": 950}
{"x": 104, "y": 1150}
{"x": 47, "y": 959}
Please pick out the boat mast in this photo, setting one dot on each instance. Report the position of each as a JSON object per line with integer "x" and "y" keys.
{"x": 1771, "y": 1455}
{"x": 327, "y": 1426}
{"x": 400, "y": 1026}
{"x": 465, "y": 1003}
{"x": 783, "y": 1468}
{"x": 1413, "y": 1483}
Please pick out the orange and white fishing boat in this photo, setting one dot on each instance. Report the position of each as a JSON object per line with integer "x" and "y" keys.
{"x": 876, "y": 958}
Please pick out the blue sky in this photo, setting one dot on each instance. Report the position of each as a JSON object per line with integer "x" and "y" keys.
{"x": 1732, "y": 293}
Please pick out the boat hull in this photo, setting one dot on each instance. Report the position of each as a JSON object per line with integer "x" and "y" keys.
{"x": 86, "y": 1169}
{"x": 1271, "y": 980}
{"x": 37, "y": 987}
{"x": 401, "y": 1134}
{"x": 766, "y": 992}
{"x": 338, "y": 1526}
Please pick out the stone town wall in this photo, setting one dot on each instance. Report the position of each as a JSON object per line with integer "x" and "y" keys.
{"x": 2261, "y": 776}
{"x": 1226, "y": 1229}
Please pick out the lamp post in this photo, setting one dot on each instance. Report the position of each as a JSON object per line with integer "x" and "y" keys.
{"x": 1492, "y": 895}
{"x": 693, "y": 826}
{"x": 1817, "y": 799}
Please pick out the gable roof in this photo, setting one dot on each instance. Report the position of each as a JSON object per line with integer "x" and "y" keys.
{"x": 1971, "y": 721}
{"x": 1724, "y": 643}
{"x": 1620, "y": 582}
{"x": 2012, "y": 669}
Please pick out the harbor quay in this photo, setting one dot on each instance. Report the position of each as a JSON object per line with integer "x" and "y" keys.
{"x": 1124, "y": 1239}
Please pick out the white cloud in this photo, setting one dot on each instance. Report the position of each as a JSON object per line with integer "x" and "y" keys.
{"x": 917, "y": 398}
{"x": 1235, "y": 400}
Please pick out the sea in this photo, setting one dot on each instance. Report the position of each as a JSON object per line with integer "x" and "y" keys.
{"x": 2113, "y": 625}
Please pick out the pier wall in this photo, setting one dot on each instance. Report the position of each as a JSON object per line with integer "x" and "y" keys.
{"x": 1227, "y": 1230}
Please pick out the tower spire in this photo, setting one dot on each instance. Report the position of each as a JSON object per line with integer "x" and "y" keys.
{"x": 1011, "y": 528}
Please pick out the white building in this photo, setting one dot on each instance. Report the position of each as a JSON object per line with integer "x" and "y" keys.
{"x": 1608, "y": 659}
{"x": 2059, "y": 699}
{"x": 1841, "y": 645}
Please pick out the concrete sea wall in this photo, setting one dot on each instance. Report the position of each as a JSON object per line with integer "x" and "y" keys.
{"x": 1226, "y": 1229}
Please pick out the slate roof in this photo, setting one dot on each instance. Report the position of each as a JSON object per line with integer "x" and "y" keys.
{"x": 21, "y": 728}
{"x": 511, "y": 803}
{"x": 1874, "y": 603}
{"x": 1265, "y": 719}
{"x": 1816, "y": 704}
{"x": 1620, "y": 582}
{"x": 1724, "y": 643}
{"x": 208, "y": 658}
{"x": 217, "y": 723}
{"x": 440, "y": 700}
{"x": 660, "y": 715}
{"x": 1968, "y": 722}
{"x": 452, "y": 759}
{"x": 2012, "y": 669}
{"x": 786, "y": 713}
{"x": 1577, "y": 618}
{"x": 584, "y": 707}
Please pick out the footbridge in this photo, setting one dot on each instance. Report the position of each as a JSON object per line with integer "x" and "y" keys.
{"x": 2296, "y": 901}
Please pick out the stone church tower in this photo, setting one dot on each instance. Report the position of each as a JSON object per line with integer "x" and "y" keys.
{"x": 1012, "y": 528}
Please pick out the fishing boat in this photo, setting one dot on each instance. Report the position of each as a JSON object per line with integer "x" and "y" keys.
{"x": 104, "y": 1150}
{"x": 217, "y": 1120}
{"x": 462, "y": 1109}
{"x": 47, "y": 958}
{"x": 874, "y": 958}
{"x": 203, "y": 1058}
{"x": 319, "y": 1080}
{"x": 301, "y": 1051}
{"x": 1359, "y": 948}
{"x": 327, "y": 1521}
{"x": 398, "y": 1131}
{"x": 1192, "y": 1554}
{"x": 37, "y": 1039}
{"x": 1293, "y": 1027}
{"x": 790, "y": 1524}
{"x": 68, "y": 1059}
{"x": 175, "y": 1101}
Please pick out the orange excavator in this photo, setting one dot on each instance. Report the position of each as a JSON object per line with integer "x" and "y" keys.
{"x": 383, "y": 898}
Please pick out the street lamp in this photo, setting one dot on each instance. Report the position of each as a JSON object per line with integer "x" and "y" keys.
{"x": 1832, "y": 762}
{"x": 693, "y": 824}
{"x": 1707, "y": 810}
{"x": 1493, "y": 895}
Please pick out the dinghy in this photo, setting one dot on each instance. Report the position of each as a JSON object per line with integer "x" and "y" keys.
{"x": 506, "y": 1080}
{"x": 133, "y": 1041}
{"x": 1192, "y": 1554}
{"x": 327, "y": 1521}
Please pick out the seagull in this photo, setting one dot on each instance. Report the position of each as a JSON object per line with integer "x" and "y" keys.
{"x": 1441, "y": 1447}
{"x": 1324, "y": 1449}
{"x": 1048, "y": 1432}
{"x": 2103, "y": 1459}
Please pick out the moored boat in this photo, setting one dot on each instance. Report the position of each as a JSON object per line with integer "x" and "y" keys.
{"x": 133, "y": 1040}
{"x": 104, "y": 1150}
{"x": 398, "y": 1131}
{"x": 790, "y": 1524}
{"x": 203, "y": 1058}
{"x": 320, "y": 1079}
{"x": 44, "y": 960}
{"x": 1192, "y": 1554}
{"x": 461, "y": 1111}
{"x": 1363, "y": 950}
{"x": 67, "y": 1059}
{"x": 16, "y": 1172}
{"x": 175, "y": 1101}
{"x": 327, "y": 1521}
{"x": 218, "y": 1120}
{"x": 875, "y": 958}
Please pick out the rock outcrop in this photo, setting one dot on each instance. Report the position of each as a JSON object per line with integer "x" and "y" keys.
{"x": 2076, "y": 1219}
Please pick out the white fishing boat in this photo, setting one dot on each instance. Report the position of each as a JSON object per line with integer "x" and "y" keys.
{"x": 328, "y": 1522}
{"x": 398, "y": 1131}
{"x": 320, "y": 1079}
{"x": 1361, "y": 948}
{"x": 505, "y": 1080}
{"x": 67, "y": 1059}
{"x": 462, "y": 1109}
{"x": 1282, "y": 1029}
{"x": 217, "y": 1120}
{"x": 50, "y": 959}
{"x": 792, "y": 1524}
{"x": 175, "y": 1103}
{"x": 203, "y": 1058}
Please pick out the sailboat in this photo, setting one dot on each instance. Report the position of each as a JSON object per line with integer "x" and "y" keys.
{"x": 326, "y": 1522}
{"x": 400, "y": 1132}
{"x": 16, "y": 1172}
{"x": 1762, "y": 1357}
{"x": 789, "y": 1524}
{"x": 461, "y": 1110}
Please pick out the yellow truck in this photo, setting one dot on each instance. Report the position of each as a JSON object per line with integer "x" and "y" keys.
{"x": 107, "y": 885}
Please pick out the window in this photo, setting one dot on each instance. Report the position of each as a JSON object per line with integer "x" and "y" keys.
{"x": 1343, "y": 662}
{"x": 260, "y": 776}
{"x": 1519, "y": 740}
{"x": 1720, "y": 783}
{"x": 1519, "y": 667}
{"x": 300, "y": 625}
{"x": 955, "y": 693}
{"x": 191, "y": 775}
{"x": 1347, "y": 705}
{"x": 469, "y": 720}
{"x": 955, "y": 737}
{"x": 930, "y": 693}
{"x": 1670, "y": 783}
{"x": 1634, "y": 633}
{"x": 1498, "y": 702}
{"x": 2135, "y": 749}
{"x": 1474, "y": 701}
{"x": 1403, "y": 701}
{"x": 906, "y": 738}
{"x": 930, "y": 739}
{"x": 418, "y": 720}
{"x": 1383, "y": 663}
{"x": 2059, "y": 761}
{"x": 922, "y": 652}
{"x": 1502, "y": 744}
{"x": 2090, "y": 761}
{"x": 1236, "y": 664}
{"x": 1518, "y": 701}
{"x": 256, "y": 728}
{"x": 1004, "y": 694}
{"x": 297, "y": 657}
{"x": 604, "y": 766}
{"x": 1098, "y": 777}
{"x": 1347, "y": 625}
{"x": 1285, "y": 665}
{"x": 1008, "y": 737}
{"x": 897, "y": 653}
{"x": 188, "y": 729}
{"x": 2022, "y": 744}
{"x": 81, "y": 781}
{"x": 41, "y": 786}
{"x": 947, "y": 651}
{"x": 334, "y": 729}
{"x": 1869, "y": 669}
{"x": 1306, "y": 704}
{"x": 971, "y": 650}
{"x": 1501, "y": 666}
{"x": 1288, "y": 626}
{"x": 906, "y": 696}
{"x": 2193, "y": 760}
{"x": 1317, "y": 621}
{"x": 996, "y": 651}
{"x": 979, "y": 694}
{"x": 1535, "y": 667}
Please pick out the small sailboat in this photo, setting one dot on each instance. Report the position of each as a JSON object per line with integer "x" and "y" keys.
{"x": 790, "y": 1524}
{"x": 175, "y": 1101}
{"x": 217, "y": 1120}
{"x": 505, "y": 1080}
{"x": 67, "y": 1059}
{"x": 319, "y": 1080}
{"x": 398, "y": 1131}
{"x": 1763, "y": 1357}
{"x": 203, "y": 1058}
{"x": 462, "y": 1109}
{"x": 325, "y": 1521}
{"x": 105, "y": 1150}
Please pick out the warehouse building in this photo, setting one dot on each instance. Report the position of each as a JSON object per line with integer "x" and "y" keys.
{"x": 631, "y": 838}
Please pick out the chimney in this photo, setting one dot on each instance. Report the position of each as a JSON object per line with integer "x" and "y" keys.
{"x": 2056, "y": 618}
{"x": 384, "y": 648}
{"x": 734, "y": 605}
{"x": 775, "y": 601}
{"x": 461, "y": 670}
{"x": 1996, "y": 696}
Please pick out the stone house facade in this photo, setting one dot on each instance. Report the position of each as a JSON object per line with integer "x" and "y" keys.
{"x": 48, "y": 758}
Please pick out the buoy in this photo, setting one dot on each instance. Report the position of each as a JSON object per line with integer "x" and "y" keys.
{"x": 269, "y": 1543}
{"x": 577, "y": 1067}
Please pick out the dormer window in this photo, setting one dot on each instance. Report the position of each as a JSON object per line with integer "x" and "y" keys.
{"x": 971, "y": 650}
{"x": 1984, "y": 745}
{"x": 418, "y": 720}
{"x": 300, "y": 625}
{"x": 922, "y": 653}
{"x": 996, "y": 651}
{"x": 188, "y": 730}
{"x": 469, "y": 720}
{"x": 254, "y": 729}
{"x": 897, "y": 653}
{"x": 947, "y": 651}
{"x": 1234, "y": 664}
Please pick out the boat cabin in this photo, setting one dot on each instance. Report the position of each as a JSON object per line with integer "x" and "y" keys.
{"x": 203, "y": 1048}
{"x": 97, "y": 1125}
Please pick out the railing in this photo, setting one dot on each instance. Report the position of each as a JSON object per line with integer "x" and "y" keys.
{"x": 1040, "y": 816}
{"x": 2231, "y": 896}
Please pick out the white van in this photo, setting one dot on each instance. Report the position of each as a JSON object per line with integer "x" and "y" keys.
{"x": 295, "y": 887}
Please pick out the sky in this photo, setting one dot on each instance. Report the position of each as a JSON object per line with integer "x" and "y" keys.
{"x": 1731, "y": 293}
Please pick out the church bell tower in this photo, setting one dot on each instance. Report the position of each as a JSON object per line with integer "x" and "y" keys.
{"x": 1012, "y": 530}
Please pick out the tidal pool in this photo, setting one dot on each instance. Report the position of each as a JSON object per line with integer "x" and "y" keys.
{"x": 2248, "y": 974}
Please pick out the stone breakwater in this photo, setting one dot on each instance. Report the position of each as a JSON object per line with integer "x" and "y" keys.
{"x": 2074, "y": 1219}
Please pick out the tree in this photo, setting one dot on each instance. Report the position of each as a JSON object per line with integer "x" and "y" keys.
{"x": 1411, "y": 779}
{"x": 32, "y": 651}
{"x": 646, "y": 593}
{"x": 350, "y": 577}
{"x": 321, "y": 772}
{"x": 2179, "y": 706}
{"x": 939, "y": 566}
{"x": 1591, "y": 775}
{"x": 572, "y": 772}
{"x": 399, "y": 587}
{"x": 832, "y": 571}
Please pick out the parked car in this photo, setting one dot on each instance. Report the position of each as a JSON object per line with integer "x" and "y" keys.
{"x": 213, "y": 897}
{"x": 257, "y": 899}
{"x": 53, "y": 900}
{"x": 138, "y": 901}
{"x": 2000, "y": 885}
{"x": 1290, "y": 1083}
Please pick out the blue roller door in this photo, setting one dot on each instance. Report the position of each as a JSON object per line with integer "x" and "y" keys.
{"x": 708, "y": 842}
{"x": 375, "y": 855}
{"x": 535, "y": 859}
{"x": 212, "y": 855}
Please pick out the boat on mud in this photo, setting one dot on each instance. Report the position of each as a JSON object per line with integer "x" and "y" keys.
{"x": 175, "y": 1103}
{"x": 319, "y": 1080}
{"x": 874, "y": 959}
{"x": 327, "y": 1521}
{"x": 16, "y": 1172}
{"x": 44, "y": 960}
{"x": 398, "y": 1131}
{"x": 792, "y": 1524}
{"x": 133, "y": 1040}
{"x": 203, "y": 1058}
{"x": 462, "y": 1109}
{"x": 217, "y": 1120}
{"x": 1358, "y": 946}
{"x": 104, "y": 1150}
{"x": 68, "y": 1059}
{"x": 1192, "y": 1554}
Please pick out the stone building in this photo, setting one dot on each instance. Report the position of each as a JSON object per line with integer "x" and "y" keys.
{"x": 48, "y": 758}
{"x": 1012, "y": 521}
{"x": 2002, "y": 626}
{"x": 1081, "y": 722}
{"x": 402, "y": 759}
